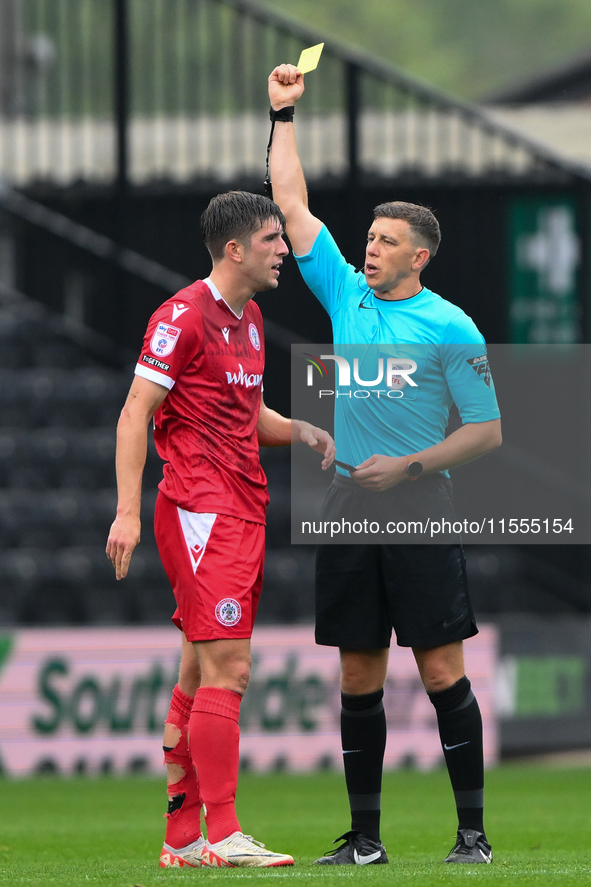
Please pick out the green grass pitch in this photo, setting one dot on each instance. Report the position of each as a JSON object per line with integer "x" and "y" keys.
{"x": 108, "y": 831}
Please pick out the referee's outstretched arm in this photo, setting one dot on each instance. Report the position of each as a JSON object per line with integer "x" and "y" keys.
{"x": 286, "y": 86}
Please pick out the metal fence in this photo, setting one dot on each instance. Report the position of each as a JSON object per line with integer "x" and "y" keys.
{"x": 175, "y": 90}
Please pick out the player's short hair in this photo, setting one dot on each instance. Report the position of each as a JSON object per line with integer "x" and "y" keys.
{"x": 236, "y": 215}
{"x": 424, "y": 226}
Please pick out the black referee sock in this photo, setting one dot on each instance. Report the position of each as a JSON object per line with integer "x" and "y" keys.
{"x": 460, "y": 730}
{"x": 363, "y": 734}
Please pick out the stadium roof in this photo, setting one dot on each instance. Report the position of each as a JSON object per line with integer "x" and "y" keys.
{"x": 568, "y": 82}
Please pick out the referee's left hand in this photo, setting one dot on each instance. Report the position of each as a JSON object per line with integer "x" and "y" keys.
{"x": 379, "y": 473}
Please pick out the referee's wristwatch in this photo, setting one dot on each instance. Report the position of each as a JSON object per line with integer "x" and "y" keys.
{"x": 414, "y": 468}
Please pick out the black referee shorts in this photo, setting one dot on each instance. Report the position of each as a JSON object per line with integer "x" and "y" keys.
{"x": 365, "y": 591}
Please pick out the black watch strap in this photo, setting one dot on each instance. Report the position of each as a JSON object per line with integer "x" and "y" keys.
{"x": 414, "y": 468}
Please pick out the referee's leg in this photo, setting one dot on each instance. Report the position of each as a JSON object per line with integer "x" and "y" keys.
{"x": 363, "y": 735}
{"x": 460, "y": 729}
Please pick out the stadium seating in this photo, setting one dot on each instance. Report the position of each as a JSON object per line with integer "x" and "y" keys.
{"x": 59, "y": 408}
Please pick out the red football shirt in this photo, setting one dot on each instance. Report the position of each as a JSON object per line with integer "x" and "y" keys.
{"x": 212, "y": 362}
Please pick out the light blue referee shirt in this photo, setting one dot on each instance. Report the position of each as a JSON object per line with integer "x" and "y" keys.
{"x": 428, "y": 341}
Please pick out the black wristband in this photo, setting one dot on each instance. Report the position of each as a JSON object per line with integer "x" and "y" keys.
{"x": 285, "y": 115}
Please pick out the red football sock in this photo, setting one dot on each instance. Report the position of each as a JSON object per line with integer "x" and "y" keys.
{"x": 214, "y": 743}
{"x": 183, "y": 824}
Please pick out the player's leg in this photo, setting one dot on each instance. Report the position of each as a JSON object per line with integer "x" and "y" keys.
{"x": 218, "y": 595}
{"x": 215, "y": 566}
{"x": 348, "y": 614}
{"x": 460, "y": 730}
{"x": 183, "y": 841}
{"x": 214, "y": 731}
{"x": 214, "y": 740}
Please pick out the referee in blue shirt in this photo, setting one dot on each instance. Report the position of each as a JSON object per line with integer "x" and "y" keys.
{"x": 365, "y": 591}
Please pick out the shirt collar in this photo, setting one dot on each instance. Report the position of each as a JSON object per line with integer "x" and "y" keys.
{"x": 218, "y": 296}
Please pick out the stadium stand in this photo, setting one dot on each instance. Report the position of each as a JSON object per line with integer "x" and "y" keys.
{"x": 59, "y": 407}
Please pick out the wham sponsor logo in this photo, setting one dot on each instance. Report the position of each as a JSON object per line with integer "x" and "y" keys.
{"x": 155, "y": 363}
{"x": 242, "y": 378}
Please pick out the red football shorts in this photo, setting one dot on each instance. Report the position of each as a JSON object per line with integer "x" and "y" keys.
{"x": 215, "y": 566}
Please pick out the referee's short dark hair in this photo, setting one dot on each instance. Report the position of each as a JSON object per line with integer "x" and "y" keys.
{"x": 424, "y": 225}
{"x": 235, "y": 215}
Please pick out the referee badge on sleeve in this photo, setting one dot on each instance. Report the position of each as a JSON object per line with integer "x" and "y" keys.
{"x": 481, "y": 366}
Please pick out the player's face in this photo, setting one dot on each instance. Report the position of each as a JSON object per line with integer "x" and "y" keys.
{"x": 264, "y": 256}
{"x": 390, "y": 255}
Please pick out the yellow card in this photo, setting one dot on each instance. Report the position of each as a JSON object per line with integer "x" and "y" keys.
{"x": 309, "y": 58}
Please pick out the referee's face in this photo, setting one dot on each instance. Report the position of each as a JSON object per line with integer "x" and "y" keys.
{"x": 391, "y": 256}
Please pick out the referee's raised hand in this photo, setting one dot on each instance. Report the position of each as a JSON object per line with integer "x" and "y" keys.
{"x": 286, "y": 86}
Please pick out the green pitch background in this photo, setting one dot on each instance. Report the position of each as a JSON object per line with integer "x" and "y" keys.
{"x": 109, "y": 832}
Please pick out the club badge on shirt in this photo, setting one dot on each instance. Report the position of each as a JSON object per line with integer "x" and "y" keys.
{"x": 253, "y": 335}
{"x": 164, "y": 339}
{"x": 228, "y": 611}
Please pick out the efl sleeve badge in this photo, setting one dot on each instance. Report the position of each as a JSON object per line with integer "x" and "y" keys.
{"x": 164, "y": 339}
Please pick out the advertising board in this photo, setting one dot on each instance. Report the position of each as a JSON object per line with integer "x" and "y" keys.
{"x": 94, "y": 701}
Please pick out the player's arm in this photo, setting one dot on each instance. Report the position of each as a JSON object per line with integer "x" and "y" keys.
{"x": 274, "y": 430}
{"x": 286, "y": 86}
{"x": 143, "y": 400}
{"x": 470, "y": 441}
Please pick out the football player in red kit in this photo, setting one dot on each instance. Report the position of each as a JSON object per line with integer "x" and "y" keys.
{"x": 199, "y": 377}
